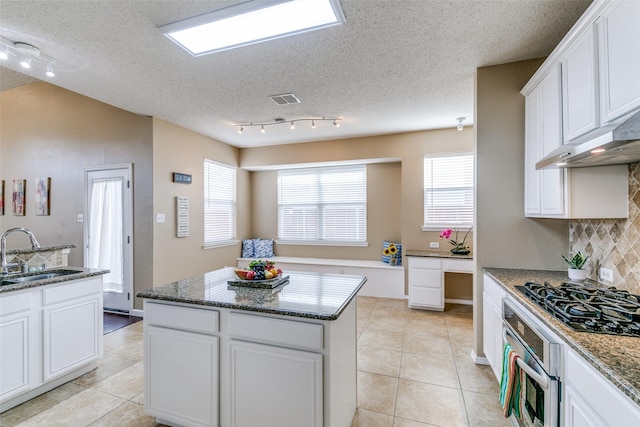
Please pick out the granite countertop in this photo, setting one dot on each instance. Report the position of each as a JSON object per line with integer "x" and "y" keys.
{"x": 75, "y": 273}
{"x": 616, "y": 357}
{"x": 41, "y": 249}
{"x": 436, "y": 254}
{"x": 320, "y": 296}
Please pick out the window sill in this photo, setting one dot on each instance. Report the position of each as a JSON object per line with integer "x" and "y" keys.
{"x": 220, "y": 244}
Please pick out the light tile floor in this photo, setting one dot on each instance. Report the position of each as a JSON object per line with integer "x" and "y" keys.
{"x": 414, "y": 370}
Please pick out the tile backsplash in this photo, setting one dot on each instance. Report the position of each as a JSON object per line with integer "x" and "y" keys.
{"x": 611, "y": 243}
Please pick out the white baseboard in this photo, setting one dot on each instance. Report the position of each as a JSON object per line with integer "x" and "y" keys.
{"x": 136, "y": 313}
{"x": 478, "y": 360}
{"x": 459, "y": 301}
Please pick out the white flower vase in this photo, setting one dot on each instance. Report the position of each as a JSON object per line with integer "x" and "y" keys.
{"x": 577, "y": 274}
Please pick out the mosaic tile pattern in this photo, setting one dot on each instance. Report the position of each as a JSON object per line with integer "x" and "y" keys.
{"x": 613, "y": 244}
{"x": 40, "y": 259}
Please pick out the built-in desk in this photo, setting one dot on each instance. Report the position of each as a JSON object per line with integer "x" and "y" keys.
{"x": 427, "y": 270}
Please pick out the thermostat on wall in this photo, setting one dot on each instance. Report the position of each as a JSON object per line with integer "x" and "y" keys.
{"x": 181, "y": 178}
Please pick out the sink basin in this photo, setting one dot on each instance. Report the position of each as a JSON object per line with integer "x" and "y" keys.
{"x": 12, "y": 280}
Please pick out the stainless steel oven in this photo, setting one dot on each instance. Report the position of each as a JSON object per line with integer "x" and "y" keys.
{"x": 541, "y": 362}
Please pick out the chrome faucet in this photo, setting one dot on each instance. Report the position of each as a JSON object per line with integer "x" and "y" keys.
{"x": 3, "y": 246}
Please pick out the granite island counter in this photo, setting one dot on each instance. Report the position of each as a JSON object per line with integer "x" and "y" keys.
{"x": 217, "y": 354}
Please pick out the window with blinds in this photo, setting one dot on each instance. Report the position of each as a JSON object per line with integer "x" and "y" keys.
{"x": 219, "y": 204}
{"x": 448, "y": 191}
{"x": 323, "y": 205}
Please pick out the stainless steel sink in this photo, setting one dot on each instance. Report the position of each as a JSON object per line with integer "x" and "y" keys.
{"x": 12, "y": 280}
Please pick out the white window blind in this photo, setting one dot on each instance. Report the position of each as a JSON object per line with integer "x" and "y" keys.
{"x": 219, "y": 203}
{"x": 323, "y": 204}
{"x": 448, "y": 191}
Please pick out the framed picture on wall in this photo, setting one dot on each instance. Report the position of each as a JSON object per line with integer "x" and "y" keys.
{"x": 2, "y": 197}
{"x": 19, "y": 188}
{"x": 43, "y": 187}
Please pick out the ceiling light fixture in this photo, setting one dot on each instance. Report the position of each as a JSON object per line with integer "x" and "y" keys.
{"x": 252, "y": 22}
{"x": 460, "y": 126}
{"x": 292, "y": 123}
{"x": 26, "y": 62}
{"x": 27, "y": 55}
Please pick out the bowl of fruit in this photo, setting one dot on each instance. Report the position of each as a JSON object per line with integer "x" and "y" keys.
{"x": 260, "y": 273}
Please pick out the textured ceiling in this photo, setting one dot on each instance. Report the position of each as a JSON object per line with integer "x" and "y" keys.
{"x": 395, "y": 66}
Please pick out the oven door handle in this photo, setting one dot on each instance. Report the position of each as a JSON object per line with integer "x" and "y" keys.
{"x": 543, "y": 381}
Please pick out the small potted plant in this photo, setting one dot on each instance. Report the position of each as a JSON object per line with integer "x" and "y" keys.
{"x": 576, "y": 264}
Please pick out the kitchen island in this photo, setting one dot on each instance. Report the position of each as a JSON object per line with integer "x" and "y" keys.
{"x": 223, "y": 355}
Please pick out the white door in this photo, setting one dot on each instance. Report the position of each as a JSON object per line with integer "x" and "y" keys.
{"x": 108, "y": 236}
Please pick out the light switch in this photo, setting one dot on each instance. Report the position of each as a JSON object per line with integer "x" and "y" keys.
{"x": 80, "y": 218}
{"x": 160, "y": 218}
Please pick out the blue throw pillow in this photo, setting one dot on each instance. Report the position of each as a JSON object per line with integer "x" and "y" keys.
{"x": 248, "y": 248}
{"x": 263, "y": 249}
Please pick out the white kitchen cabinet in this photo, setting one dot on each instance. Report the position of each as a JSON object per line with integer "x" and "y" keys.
{"x": 591, "y": 400}
{"x": 580, "y": 86}
{"x": 49, "y": 335}
{"x": 426, "y": 279}
{"x": 181, "y": 364}
{"x": 275, "y": 386}
{"x": 545, "y": 190}
{"x": 72, "y": 327}
{"x": 492, "y": 324}
{"x": 595, "y": 192}
{"x": 619, "y": 35}
{"x": 18, "y": 345}
{"x": 181, "y": 369}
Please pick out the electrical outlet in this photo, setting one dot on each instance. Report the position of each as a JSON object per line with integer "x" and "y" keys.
{"x": 606, "y": 274}
{"x": 434, "y": 245}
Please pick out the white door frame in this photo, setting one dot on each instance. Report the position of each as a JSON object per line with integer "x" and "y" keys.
{"x": 128, "y": 224}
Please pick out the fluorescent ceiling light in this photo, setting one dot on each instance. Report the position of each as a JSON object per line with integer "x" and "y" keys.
{"x": 252, "y": 22}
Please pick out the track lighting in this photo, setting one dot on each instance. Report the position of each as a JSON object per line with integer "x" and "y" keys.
{"x": 28, "y": 56}
{"x": 292, "y": 123}
{"x": 26, "y": 62}
{"x": 460, "y": 126}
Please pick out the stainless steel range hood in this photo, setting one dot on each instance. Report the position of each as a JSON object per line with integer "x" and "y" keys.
{"x": 613, "y": 144}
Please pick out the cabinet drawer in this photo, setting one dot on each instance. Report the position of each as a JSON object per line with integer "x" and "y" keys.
{"x": 494, "y": 291}
{"x": 458, "y": 265}
{"x": 600, "y": 395}
{"x": 424, "y": 262}
{"x": 182, "y": 318}
{"x": 429, "y": 297}
{"x": 76, "y": 289}
{"x": 275, "y": 331}
{"x": 425, "y": 278}
{"x": 14, "y": 304}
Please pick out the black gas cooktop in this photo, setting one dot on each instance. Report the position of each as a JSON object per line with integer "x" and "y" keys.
{"x": 587, "y": 308}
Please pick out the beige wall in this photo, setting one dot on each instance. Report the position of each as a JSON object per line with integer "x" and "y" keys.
{"x": 46, "y": 131}
{"x": 395, "y": 189}
{"x": 177, "y": 149}
{"x": 505, "y": 238}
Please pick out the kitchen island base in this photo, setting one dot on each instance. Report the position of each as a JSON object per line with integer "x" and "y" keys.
{"x": 209, "y": 366}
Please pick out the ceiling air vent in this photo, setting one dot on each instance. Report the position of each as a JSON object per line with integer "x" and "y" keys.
{"x": 285, "y": 99}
